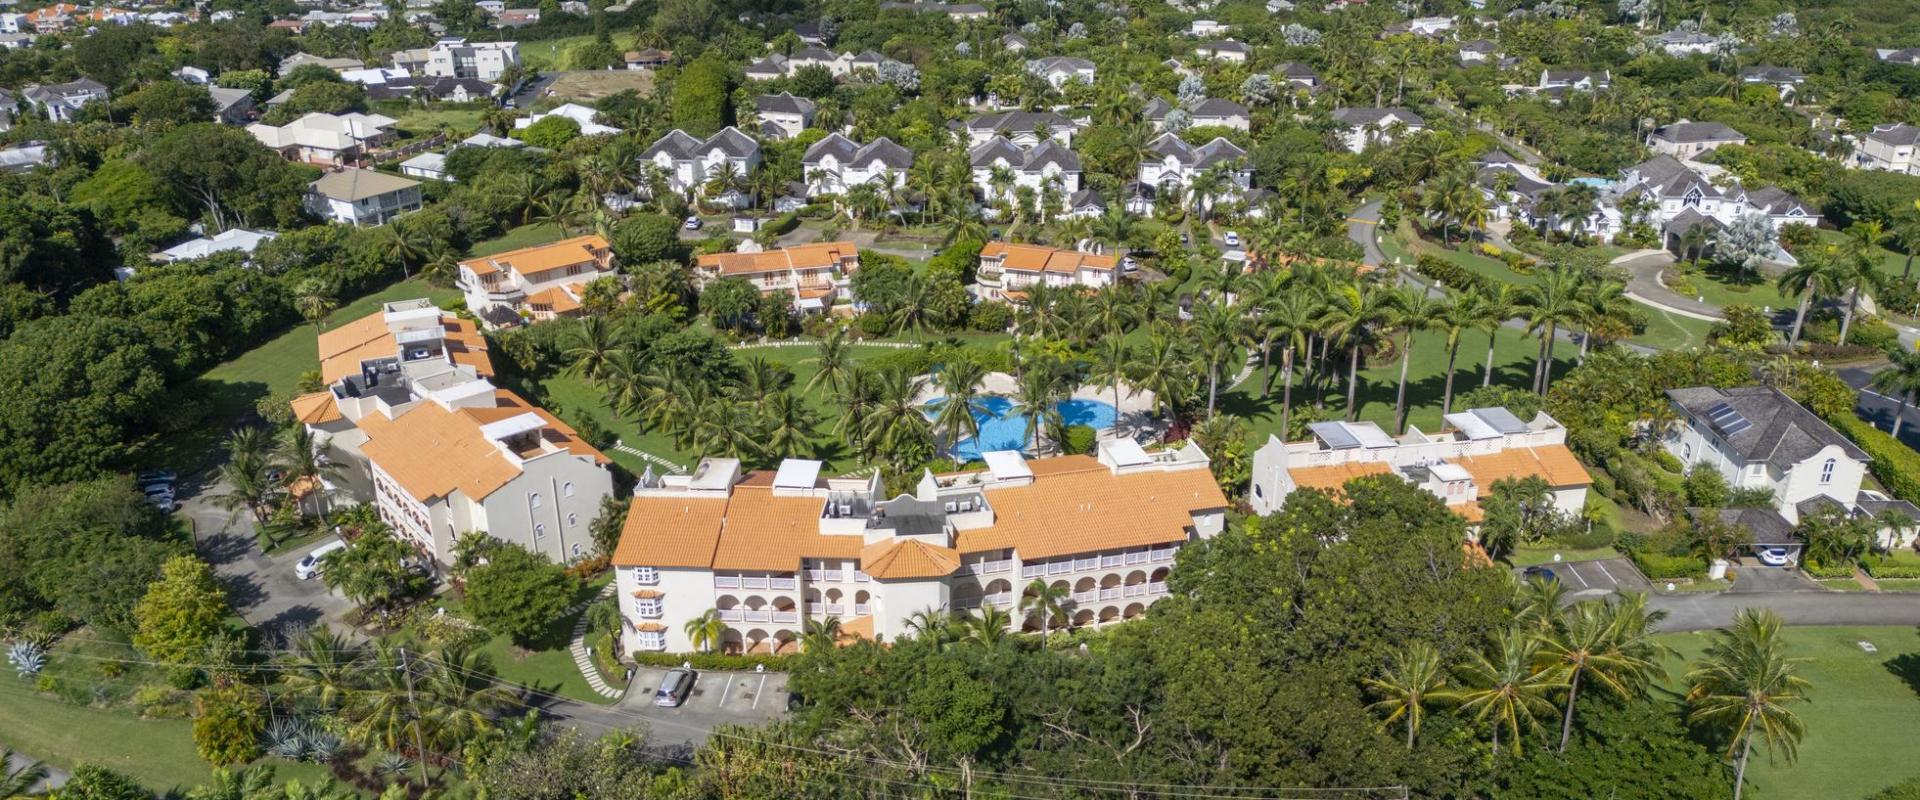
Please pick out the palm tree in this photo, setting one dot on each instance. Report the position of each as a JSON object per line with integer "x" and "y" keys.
{"x": 957, "y": 418}
{"x": 1414, "y": 310}
{"x": 704, "y": 631}
{"x": 19, "y": 781}
{"x": 304, "y": 456}
{"x": 1593, "y": 644}
{"x": 1860, "y": 267}
{"x": 820, "y": 635}
{"x": 1746, "y": 685}
{"x": 932, "y": 625}
{"x": 1817, "y": 276}
{"x": 1900, "y": 378}
{"x": 1115, "y": 227}
{"x": 787, "y": 426}
{"x": 989, "y": 627}
{"x": 1501, "y": 686}
{"x": 464, "y": 700}
{"x": 1552, "y": 301}
{"x": 314, "y": 301}
{"x": 1289, "y": 317}
{"x": 591, "y": 349}
{"x": 1217, "y": 329}
{"x": 1495, "y": 307}
{"x": 1353, "y": 313}
{"x": 1114, "y": 309}
{"x": 248, "y": 476}
{"x": 1038, "y": 397}
{"x": 1046, "y": 600}
{"x": 832, "y": 360}
{"x": 1463, "y": 312}
{"x": 1407, "y": 684}
{"x": 1112, "y": 363}
{"x": 896, "y": 419}
{"x": 1537, "y": 605}
{"x": 1160, "y": 368}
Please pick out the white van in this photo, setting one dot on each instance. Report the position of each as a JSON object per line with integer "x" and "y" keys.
{"x": 309, "y": 567}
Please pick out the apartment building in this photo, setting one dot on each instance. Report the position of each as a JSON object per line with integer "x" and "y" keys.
{"x": 410, "y": 400}
{"x": 836, "y": 162}
{"x": 1473, "y": 450}
{"x": 330, "y": 140}
{"x": 1007, "y": 270}
{"x": 1890, "y": 148}
{"x": 770, "y": 550}
{"x": 534, "y": 283}
{"x": 353, "y": 196}
{"x": 454, "y": 57}
{"x": 816, "y": 275}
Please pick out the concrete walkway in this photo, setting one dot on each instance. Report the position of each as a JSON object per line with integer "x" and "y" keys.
{"x": 1646, "y": 285}
{"x": 581, "y": 658}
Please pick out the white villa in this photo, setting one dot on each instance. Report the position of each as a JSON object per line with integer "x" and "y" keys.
{"x": 534, "y": 283}
{"x": 454, "y": 57}
{"x": 815, "y": 275}
{"x": 1048, "y": 163}
{"x": 1172, "y": 163}
{"x": 326, "y": 139}
{"x": 580, "y": 114}
{"x": 1890, "y": 148}
{"x": 353, "y": 196}
{"x": 1359, "y": 128}
{"x": 688, "y": 162}
{"x": 837, "y": 162}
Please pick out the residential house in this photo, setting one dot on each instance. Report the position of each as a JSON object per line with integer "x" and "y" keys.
{"x": 516, "y": 17}
{"x": 25, "y": 157}
{"x": 840, "y": 65}
{"x": 1057, "y": 70}
{"x": 60, "y": 101}
{"x": 429, "y": 165}
{"x": 534, "y": 283}
{"x": 1212, "y": 112}
{"x": 1047, "y": 164}
{"x": 1013, "y": 43}
{"x": 13, "y": 23}
{"x": 580, "y": 114}
{"x": 1360, "y": 128}
{"x": 1460, "y": 463}
{"x": 353, "y": 196}
{"x": 455, "y": 90}
{"x": 835, "y": 163}
{"x": 454, "y": 57}
{"x": 772, "y": 550}
{"x": 410, "y": 400}
{"x": 298, "y": 60}
{"x": 1785, "y": 80}
{"x": 1678, "y": 197}
{"x": 814, "y": 275}
{"x": 326, "y": 139}
{"x": 1224, "y": 50}
{"x": 1686, "y": 140}
{"x": 233, "y": 106}
{"x": 1477, "y": 51}
{"x": 231, "y": 239}
{"x": 1172, "y": 164}
{"x": 1890, "y": 148}
{"x": 688, "y": 163}
{"x": 1023, "y": 128}
{"x": 16, "y": 41}
{"x": 1560, "y": 81}
{"x": 1297, "y": 74}
{"x": 1206, "y": 29}
{"x": 1909, "y": 56}
{"x": 649, "y": 58}
{"x": 783, "y": 116}
{"x": 1680, "y": 43}
{"x": 1430, "y": 27}
{"x": 1008, "y": 270}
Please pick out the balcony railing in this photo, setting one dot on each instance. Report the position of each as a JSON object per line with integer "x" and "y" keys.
{"x": 786, "y": 617}
{"x": 785, "y": 584}
{"x": 861, "y": 609}
{"x": 1112, "y": 593}
{"x": 732, "y": 615}
{"x": 760, "y": 616}
{"x": 826, "y": 575}
{"x": 1001, "y": 600}
{"x": 726, "y": 582}
{"x": 991, "y": 567}
{"x": 1157, "y": 587}
{"x": 860, "y": 577}
{"x": 756, "y": 582}
{"x": 832, "y": 609}
{"x": 1086, "y": 597}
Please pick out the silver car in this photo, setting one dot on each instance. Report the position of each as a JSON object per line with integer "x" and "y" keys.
{"x": 674, "y": 688}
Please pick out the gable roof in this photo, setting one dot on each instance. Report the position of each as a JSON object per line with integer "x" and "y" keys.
{"x": 846, "y": 151}
{"x": 1355, "y": 117}
{"x": 1031, "y": 159}
{"x": 1020, "y": 122}
{"x": 1217, "y": 151}
{"x": 683, "y": 146}
{"x": 1783, "y": 433}
{"x": 783, "y": 103}
{"x": 818, "y": 255}
{"x": 541, "y": 257}
{"x": 1036, "y": 258}
{"x": 342, "y": 349}
{"x": 1697, "y": 132}
{"x": 1897, "y": 134}
{"x": 433, "y": 451}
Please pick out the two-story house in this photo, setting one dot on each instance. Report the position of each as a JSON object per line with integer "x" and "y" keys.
{"x": 1473, "y": 450}
{"x": 1001, "y": 168}
{"x": 326, "y": 139}
{"x": 1057, "y": 71}
{"x": 1007, "y": 270}
{"x": 1359, "y": 128}
{"x": 1023, "y": 128}
{"x": 59, "y": 101}
{"x": 769, "y": 551}
{"x": 454, "y": 57}
{"x": 1890, "y": 148}
{"x": 353, "y": 196}
{"x": 1224, "y": 50}
{"x": 688, "y": 162}
{"x": 1687, "y": 140}
{"x": 783, "y": 116}
{"x": 815, "y": 275}
{"x": 410, "y": 401}
{"x": 836, "y": 162}
{"x": 1171, "y": 163}
{"x": 1209, "y": 113}
{"x": 534, "y": 283}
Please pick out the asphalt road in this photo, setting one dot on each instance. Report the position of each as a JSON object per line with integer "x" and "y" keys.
{"x": 1361, "y": 229}
{"x": 1686, "y": 612}
{"x": 262, "y": 588}
{"x": 1880, "y": 409}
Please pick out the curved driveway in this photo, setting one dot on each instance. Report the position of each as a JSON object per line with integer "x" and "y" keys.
{"x": 1362, "y": 228}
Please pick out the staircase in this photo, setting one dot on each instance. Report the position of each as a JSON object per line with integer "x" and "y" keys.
{"x": 581, "y": 658}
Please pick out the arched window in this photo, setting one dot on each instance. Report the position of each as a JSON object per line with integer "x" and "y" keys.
{"x": 1826, "y": 471}
{"x": 539, "y": 531}
{"x": 533, "y": 500}
{"x": 566, "y": 489}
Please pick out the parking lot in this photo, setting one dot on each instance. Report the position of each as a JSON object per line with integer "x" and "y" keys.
{"x": 1594, "y": 578}
{"x": 718, "y": 698}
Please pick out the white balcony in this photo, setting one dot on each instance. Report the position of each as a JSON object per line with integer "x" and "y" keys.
{"x": 756, "y": 582}
{"x": 1001, "y": 600}
{"x": 832, "y": 609}
{"x": 991, "y": 567}
{"x": 1157, "y": 587}
{"x": 786, "y": 617}
{"x": 1086, "y": 597}
{"x": 762, "y": 616}
{"x": 784, "y": 584}
{"x": 732, "y": 615}
{"x": 860, "y": 577}
{"x": 862, "y": 609}
{"x": 834, "y": 575}
{"x": 1113, "y": 593}
{"x": 726, "y": 582}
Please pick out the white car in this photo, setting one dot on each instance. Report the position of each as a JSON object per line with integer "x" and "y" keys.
{"x": 1232, "y": 239}
{"x": 309, "y": 566}
{"x": 1772, "y": 556}
{"x": 692, "y": 223}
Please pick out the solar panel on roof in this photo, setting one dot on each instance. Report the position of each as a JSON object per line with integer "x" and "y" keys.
{"x": 1335, "y": 435}
{"x": 1725, "y": 419}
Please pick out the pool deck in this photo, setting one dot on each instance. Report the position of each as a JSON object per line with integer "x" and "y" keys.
{"x": 1135, "y": 410}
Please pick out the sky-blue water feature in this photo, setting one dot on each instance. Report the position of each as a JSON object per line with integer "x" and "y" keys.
{"x": 1003, "y": 428}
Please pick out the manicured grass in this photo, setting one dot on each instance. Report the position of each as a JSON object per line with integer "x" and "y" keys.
{"x": 1891, "y": 263}
{"x": 1406, "y": 247}
{"x": 1667, "y": 331}
{"x": 551, "y": 54}
{"x": 1723, "y": 287}
{"x": 1530, "y": 556}
{"x": 1843, "y": 584}
{"x": 461, "y": 120}
{"x": 523, "y": 236}
{"x": 1898, "y": 585}
{"x": 547, "y": 666}
{"x": 1862, "y": 703}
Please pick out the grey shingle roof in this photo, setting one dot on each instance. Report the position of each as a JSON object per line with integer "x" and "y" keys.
{"x": 1019, "y": 122}
{"x": 853, "y": 154}
{"x": 1766, "y": 524}
{"x": 1697, "y": 132}
{"x": 783, "y": 103}
{"x": 1376, "y": 116}
{"x": 1031, "y": 159}
{"x": 683, "y": 146}
{"x": 1783, "y": 433}
{"x": 1896, "y": 134}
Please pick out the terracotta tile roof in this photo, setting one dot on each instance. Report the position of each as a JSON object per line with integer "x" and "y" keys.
{"x": 819, "y": 255}
{"x": 343, "y": 348}
{"x": 1034, "y": 258}
{"x": 433, "y": 452}
{"x": 1469, "y": 511}
{"x": 315, "y": 409}
{"x": 1333, "y": 477}
{"x": 670, "y": 532}
{"x": 908, "y": 558}
{"x": 772, "y": 533}
{"x": 856, "y": 628}
{"x": 558, "y": 299}
{"x": 1554, "y": 463}
{"x": 1076, "y": 505}
{"x": 649, "y": 627}
{"x": 648, "y": 594}
{"x": 529, "y": 261}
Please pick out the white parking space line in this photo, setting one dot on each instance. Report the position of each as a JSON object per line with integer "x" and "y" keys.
{"x": 1574, "y": 570}
{"x": 724, "y": 691}
{"x": 1602, "y": 566}
{"x": 759, "y": 691}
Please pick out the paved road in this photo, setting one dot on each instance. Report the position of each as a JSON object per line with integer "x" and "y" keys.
{"x": 1705, "y": 612}
{"x": 1880, "y": 409}
{"x": 1643, "y": 285}
{"x": 1362, "y": 228}
{"x": 262, "y": 588}
{"x": 56, "y": 777}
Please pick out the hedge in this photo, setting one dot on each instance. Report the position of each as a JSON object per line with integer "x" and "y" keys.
{"x": 1895, "y": 465}
{"x": 1819, "y": 570}
{"x": 1660, "y": 567}
{"x": 1885, "y": 568}
{"x": 720, "y": 661}
{"x": 1447, "y": 272}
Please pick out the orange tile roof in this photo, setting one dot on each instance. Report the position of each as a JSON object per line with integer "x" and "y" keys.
{"x": 560, "y": 299}
{"x": 1035, "y": 258}
{"x": 649, "y": 627}
{"x": 772, "y": 533}
{"x": 1333, "y": 477}
{"x": 856, "y": 628}
{"x": 1469, "y": 511}
{"x": 1076, "y": 505}
{"x": 908, "y": 558}
{"x": 670, "y": 532}
{"x": 343, "y": 348}
{"x": 819, "y": 255}
{"x": 648, "y": 594}
{"x": 315, "y": 409}
{"x": 1553, "y": 463}
{"x": 542, "y": 258}
{"x": 433, "y": 452}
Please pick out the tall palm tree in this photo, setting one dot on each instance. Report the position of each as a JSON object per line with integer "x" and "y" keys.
{"x": 1414, "y": 310}
{"x": 896, "y": 422}
{"x": 957, "y": 417}
{"x": 1592, "y": 645}
{"x": 1817, "y": 275}
{"x": 1289, "y": 317}
{"x": 1900, "y": 378}
{"x": 1407, "y": 684}
{"x": 591, "y": 348}
{"x": 704, "y": 631}
{"x": 1046, "y": 600}
{"x": 1860, "y": 257}
{"x": 1746, "y": 685}
{"x": 1502, "y": 686}
{"x": 1115, "y": 227}
{"x": 1352, "y": 317}
{"x": 1217, "y": 330}
{"x": 1112, "y": 364}
{"x": 1160, "y": 368}
{"x": 833, "y": 359}
{"x": 787, "y": 426}
{"x": 1551, "y": 302}
{"x": 1038, "y": 397}
{"x": 1495, "y": 307}
{"x": 1114, "y": 309}
{"x": 1537, "y": 605}
{"x": 1463, "y": 312}
{"x": 463, "y": 699}
{"x": 304, "y": 458}
{"x": 248, "y": 477}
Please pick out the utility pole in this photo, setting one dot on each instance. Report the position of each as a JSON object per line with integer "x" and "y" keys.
{"x": 420, "y": 750}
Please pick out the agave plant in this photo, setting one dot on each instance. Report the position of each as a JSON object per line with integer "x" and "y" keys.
{"x": 28, "y": 658}
{"x": 287, "y": 738}
{"x": 393, "y": 765}
{"x": 323, "y": 747}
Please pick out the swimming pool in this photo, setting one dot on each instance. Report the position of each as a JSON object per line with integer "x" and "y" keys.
{"x": 1003, "y": 428}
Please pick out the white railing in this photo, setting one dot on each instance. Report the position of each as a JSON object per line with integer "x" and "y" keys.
{"x": 1110, "y": 594}
{"x": 1002, "y": 599}
{"x": 860, "y": 609}
{"x": 757, "y": 616}
{"x": 1112, "y": 559}
{"x": 833, "y": 609}
{"x": 1137, "y": 590}
{"x": 1165, "y": 553}
{"x": 964, "y": 603}
{"x": 860, "y": 577}
{"x": 1033, "y": 570}
{"x": 826, "y": 575}
{"x": 1137, "y": 557}
{"x": 786, "y": 617}
{"x": 1059, "y": 567}
{"x": 1158, "y": 587}
{"x": 726, "y": 582}
{"x": 1083, "y": 564}
{"x": 732, "y": 615}
{"x": 1086, "y": 597}
{"x": 990, "y": 567}
{"x": 756, "y": 582}
{"x": 785, "y": 584}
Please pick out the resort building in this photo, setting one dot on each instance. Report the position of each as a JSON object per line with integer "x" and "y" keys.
{"x": 409, "y": 399}
{"x": 688, "y": 162}
{"x": 1007, "y": 270}
{"x": 769, "y": 550}
{"x": 534, "y": 283}
{"x": 1459, "y": 464}
{"x": 836, "y": 162}
{"x": 816, "y": 275}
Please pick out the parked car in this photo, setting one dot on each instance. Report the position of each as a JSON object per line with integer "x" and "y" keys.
{"x": 1543, "y": 573}
{"x": 1772, "y": 556}
{"x": 155, "y": 477}
{"x": 692, "y": 223}
{"x": 674, "y": 688}
{"x": 309, "y": 566}
{"x": 160, "y": 497}
{"x": 1232, "y": 239}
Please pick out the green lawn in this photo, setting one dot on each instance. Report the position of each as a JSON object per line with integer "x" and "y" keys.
{"x": 1862, "y": 706}
{"x": 461, "y": 120}
{"x": 1667, "y": 331}
{"x": 547, "y": 666}
{"x": 551, "y": 54}
{"x": 1891, "y": 263}
{"x": 523, "y": 236}
{"x": 1724, "y": 287}
{"x": 1405, "y": 246}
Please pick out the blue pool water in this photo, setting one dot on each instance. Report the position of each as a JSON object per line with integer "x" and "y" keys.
{"x": 1002, "y": 428}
